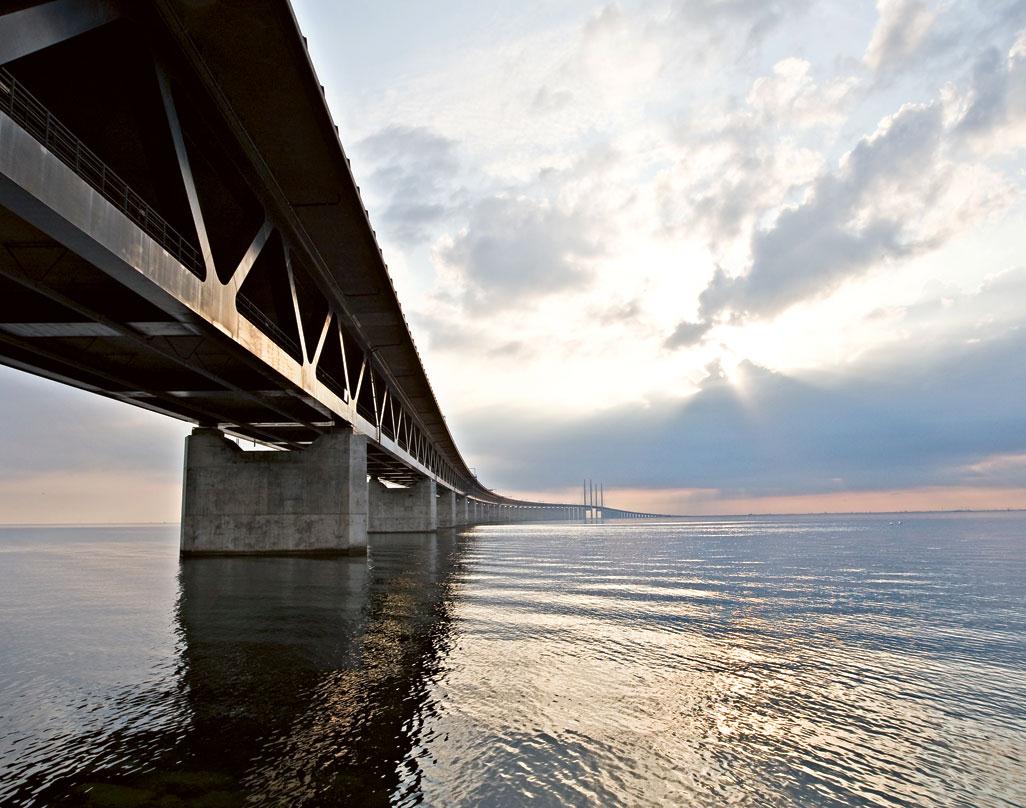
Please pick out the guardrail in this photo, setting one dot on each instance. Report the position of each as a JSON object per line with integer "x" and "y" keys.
{"x": 30, "y": 113}
{"x": 248, "y": 309}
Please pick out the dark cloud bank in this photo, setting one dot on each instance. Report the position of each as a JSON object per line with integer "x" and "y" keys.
{"x": 922, "y": 421}
{"x": 882, "y": 425}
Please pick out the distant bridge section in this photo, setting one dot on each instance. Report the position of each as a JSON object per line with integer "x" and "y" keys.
{"x": 182, "y": 232}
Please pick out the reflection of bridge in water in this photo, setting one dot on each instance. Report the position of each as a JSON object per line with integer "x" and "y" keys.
{"x": 182, "y": 232}
{"x": 319, "y": 672}
{"x": 298, "y": 682}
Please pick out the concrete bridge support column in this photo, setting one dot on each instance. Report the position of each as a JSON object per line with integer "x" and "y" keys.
{"x": 312, "y": 501}
{"x": 462, "y": 516}
{"x": 447, "y": 509}
{"x": 403, "y": 510}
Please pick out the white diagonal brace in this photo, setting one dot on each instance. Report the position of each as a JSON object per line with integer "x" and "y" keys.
{"x": 295, "y": 301}
{"x": 256, "y": 246}
{"x": 182, "y": 154}
{"x": 322, "y": 340}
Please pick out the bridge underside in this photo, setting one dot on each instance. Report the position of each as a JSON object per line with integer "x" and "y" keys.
{"x": 63, "y": 318}
{"x": 181, "y": 231}
{"x": 145, "y": 259}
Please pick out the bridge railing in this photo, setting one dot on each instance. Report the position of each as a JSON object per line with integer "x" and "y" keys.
{"x": 30, "y": 113}
{"x": 251, "y": 311}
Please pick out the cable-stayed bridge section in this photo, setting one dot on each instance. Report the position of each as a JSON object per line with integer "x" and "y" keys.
{"x": 182, "y": 231}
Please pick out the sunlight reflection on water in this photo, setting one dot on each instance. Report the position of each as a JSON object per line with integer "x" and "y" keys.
{"x": 826, "y": 660}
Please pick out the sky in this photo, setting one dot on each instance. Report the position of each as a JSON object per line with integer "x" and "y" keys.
{"x": 725, "y": 256}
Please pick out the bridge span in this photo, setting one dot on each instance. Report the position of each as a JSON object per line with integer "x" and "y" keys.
{"x": 182, "y": 231}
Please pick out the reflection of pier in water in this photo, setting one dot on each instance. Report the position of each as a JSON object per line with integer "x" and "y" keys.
{"x": 308, "y": 680}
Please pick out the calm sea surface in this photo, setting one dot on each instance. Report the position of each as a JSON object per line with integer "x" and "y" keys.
{"x": 761, "y": 661}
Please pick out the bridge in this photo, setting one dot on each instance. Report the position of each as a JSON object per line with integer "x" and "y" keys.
{"x": 182, "y": 232}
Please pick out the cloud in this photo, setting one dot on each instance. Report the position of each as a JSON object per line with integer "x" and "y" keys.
{"x": 949, "y": 417}
{"x": 902, "y": 28}
{"x": 755, "y": 18}
{"x": 445, "y": 330}
{"x": 516, "y": 248}
{"x": 550, "y": 100}
{"x": 686, "y": 334}
{"x": 789, "y": 97}
{"x": 895, "y": 195}
{"x": 1003, "y": 468}
{"x": 738, "y": 164}
{"x": 514, "y": 349}
{"x": 628, "y": 312}
{"x": 727, "y": 179}
{"x": 994, "y": 116}
{"x": 415, "y": 171}
{"x": 980, "y": 314}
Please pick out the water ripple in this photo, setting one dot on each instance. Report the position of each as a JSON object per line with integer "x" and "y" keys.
{"x": 782, "y": 661}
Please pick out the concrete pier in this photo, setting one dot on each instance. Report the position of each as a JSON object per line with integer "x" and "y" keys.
{"x": 312, "y": 501}
{"x": 403, "y": 510}
{"x": 447, "y": 516}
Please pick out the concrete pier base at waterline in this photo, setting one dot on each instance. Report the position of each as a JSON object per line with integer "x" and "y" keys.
{"x": 309, "y": 502}
{"x": 452, "y": 509}
{"x": 403, "y": 510}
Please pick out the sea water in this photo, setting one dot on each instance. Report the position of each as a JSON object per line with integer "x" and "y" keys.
{"x": 834, "y": 660}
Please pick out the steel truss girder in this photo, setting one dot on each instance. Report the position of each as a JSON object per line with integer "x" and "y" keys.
{"x": 47, "y": 193}
{"x": 67, "y": 209}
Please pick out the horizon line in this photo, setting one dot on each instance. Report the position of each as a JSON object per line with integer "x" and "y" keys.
{"x": 659, "y": 516}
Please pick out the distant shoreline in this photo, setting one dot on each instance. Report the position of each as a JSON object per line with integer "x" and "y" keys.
{"x": 850, "y": 513}
{"x": 656, "y": 518}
